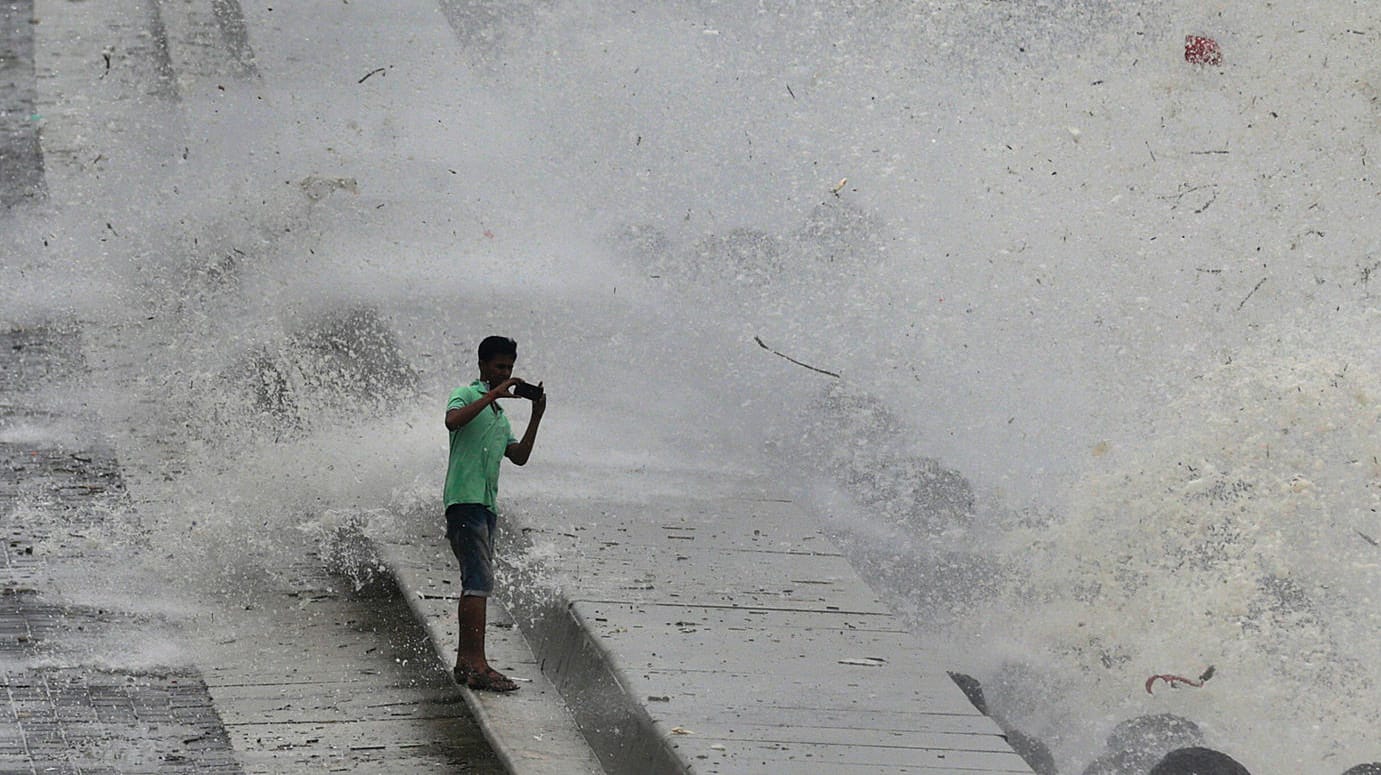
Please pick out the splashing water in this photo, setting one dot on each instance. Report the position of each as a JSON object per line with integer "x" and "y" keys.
{"x": 1113, "y": 310}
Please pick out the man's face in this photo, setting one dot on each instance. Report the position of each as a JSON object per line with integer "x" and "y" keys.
{"x": 497, "y": 369}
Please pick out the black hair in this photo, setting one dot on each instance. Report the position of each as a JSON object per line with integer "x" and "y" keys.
{"x": 497, "y": 345}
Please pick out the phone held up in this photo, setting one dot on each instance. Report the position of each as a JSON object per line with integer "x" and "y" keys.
{"x": 530, "y": 392}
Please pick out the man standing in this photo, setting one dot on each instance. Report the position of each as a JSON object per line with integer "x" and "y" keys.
{"x": 480, "y": 439}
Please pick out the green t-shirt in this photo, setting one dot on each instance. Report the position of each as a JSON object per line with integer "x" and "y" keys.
{"x": 472, "y": 473}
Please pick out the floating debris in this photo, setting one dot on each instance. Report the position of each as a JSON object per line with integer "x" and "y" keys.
{"x": 863, "y": 661}
{"x": 764, "y": 346}
{"x": 375, "y": 71}
{"x": 1174, "y": 681}
{"x": 1199, "y": 50}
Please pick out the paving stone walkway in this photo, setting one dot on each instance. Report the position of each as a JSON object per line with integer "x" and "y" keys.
{"x": 57, "y": 713}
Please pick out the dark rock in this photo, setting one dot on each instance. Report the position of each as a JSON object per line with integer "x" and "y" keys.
{"x": 1198, "y": 761}
{"x": 1120, "y": 763}
{"x": 1159, "y": 733}
{"x": 1136, "y": 744}
{"x": 1372, "y": 768}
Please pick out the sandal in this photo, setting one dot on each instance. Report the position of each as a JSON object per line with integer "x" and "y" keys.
{"x": 489, "y": 680}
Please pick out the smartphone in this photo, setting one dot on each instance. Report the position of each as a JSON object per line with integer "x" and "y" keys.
{"x": 525, "y": 390}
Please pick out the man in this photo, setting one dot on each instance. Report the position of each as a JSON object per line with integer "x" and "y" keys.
{"x": 480, "y": 439}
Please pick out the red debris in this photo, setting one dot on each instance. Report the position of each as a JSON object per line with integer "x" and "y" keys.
{"x": 1199, "y": 50}
{"x": 1171, "y": 680}
{"x": 1174, "y": 681}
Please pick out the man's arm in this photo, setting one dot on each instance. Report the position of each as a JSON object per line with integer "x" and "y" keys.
{"x": 520, "y": 451}
{"x": 460, "y": 416}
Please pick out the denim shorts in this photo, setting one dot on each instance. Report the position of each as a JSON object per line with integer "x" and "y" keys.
{"x": 470, "y": 529}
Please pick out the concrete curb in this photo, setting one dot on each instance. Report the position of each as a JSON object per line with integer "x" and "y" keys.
{"x": 498, "y": 742}
{"x": 531, "y": 731}
{"x": 618, "y": 727}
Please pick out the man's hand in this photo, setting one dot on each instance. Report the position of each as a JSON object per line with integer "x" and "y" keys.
{"x": 520, "y": 451}
{"x": 539, "y": 406}
{"x": 505, "y": 389}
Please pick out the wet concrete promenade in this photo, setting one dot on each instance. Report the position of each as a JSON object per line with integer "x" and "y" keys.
{"x": 708, "y": 625}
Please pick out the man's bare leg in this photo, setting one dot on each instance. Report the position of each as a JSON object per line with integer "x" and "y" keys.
{"x": 472, "y": 667}
{"x": 472, "y": 611}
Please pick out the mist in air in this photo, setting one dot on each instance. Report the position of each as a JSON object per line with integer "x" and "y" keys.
{"x": 1071, "y": 343}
